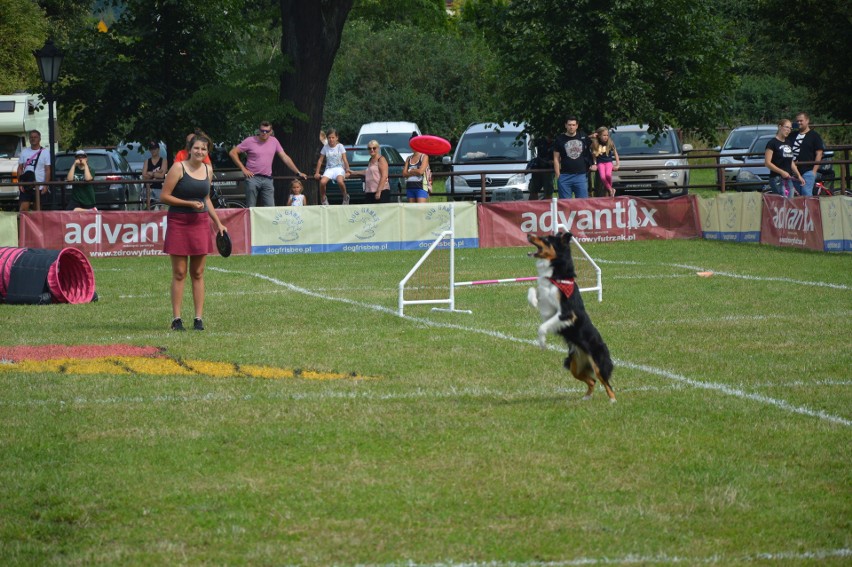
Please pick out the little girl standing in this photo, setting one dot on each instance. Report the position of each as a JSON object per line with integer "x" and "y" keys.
{"x": 604, "y": 154}
{"x": 296, "y": 198}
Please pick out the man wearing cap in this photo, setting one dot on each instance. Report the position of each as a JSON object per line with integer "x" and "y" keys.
{"x": 260, "y": 151}
{"x": 33, "y": 165}
{"x": 82, "y": 193}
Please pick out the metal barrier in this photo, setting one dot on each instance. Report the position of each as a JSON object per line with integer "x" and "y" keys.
{"x": 845, "y": 178}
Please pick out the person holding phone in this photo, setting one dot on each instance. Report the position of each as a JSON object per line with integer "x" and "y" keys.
{"x": 82, "y": 193}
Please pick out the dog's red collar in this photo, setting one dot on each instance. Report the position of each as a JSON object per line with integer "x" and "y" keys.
{"x": 565, "y": 286}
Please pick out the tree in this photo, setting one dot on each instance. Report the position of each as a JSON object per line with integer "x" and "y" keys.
{"x": 423, "y": 14}
{"x": 310, "y": 37}
{"x": 375, "y": 78}
{"x": 23, "y": 27}
{"x": 609, "y": 62}
{"x": 166, "y": 67}
{"x": 805, "y": 38}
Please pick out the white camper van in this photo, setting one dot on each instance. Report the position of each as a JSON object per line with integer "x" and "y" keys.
{"x": 19, "y": 113}
{"x": 394, "y": 134}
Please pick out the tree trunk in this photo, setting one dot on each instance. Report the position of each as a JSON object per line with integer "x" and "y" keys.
{"x": 310, "y": 36}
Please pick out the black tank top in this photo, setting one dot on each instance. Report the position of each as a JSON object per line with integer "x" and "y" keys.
{"x": 191, "y": 189}
{"x": 151, "y": 167}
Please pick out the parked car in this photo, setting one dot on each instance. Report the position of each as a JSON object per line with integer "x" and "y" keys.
{"x": 738, "y": 143}
{"x": 358, "y": 156}
{"x": 136, "y": 154}
{"x": 394, "y": 134}
{"x": 108, "y": 164}
{"x": 228, "y": 180}
{"x": 637, "y": 147}
{"x": 500, "y": 149}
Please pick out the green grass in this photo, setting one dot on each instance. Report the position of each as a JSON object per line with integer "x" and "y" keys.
{"x": 729, "y": 443}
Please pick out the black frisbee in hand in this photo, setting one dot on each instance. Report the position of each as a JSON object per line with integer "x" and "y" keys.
{"x": 223, "y": 244}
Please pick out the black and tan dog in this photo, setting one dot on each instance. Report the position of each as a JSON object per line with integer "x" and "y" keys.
{"x": 557, "y": 298}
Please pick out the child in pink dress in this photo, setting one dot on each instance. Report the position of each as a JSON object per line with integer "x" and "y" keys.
{"x": 605, "y": 156}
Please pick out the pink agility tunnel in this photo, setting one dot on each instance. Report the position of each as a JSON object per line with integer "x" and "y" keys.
{"x": 38, "y": 276}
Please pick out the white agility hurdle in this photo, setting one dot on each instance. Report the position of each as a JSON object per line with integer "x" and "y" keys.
{"x": 598, "y": 282}
{"x": 450, "y": 301}
{"x": 598, "y": 287}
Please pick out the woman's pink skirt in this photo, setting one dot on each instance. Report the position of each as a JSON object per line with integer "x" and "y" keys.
{"x": 188, "y": 234}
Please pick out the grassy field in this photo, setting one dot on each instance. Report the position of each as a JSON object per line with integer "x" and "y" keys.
{"x": 438, "y": 438}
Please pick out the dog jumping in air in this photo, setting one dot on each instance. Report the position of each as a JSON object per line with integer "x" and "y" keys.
{"x": 558, "y": 300}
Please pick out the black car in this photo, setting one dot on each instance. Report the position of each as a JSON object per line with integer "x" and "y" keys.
{"x": 358, "y": 157}
{"x": 108, "y": 165}
{"x": 229, "y": 183}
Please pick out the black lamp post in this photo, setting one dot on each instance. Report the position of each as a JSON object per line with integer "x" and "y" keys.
{"x": 49, "y": 60}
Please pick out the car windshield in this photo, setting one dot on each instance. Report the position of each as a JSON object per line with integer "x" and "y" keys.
{"x": 358, "y": 156}
{"x": 740, "y": 139}
{"x": 642, "y": 143}
{"x": 99, "y": 162}
{"x": 490, "y": 146}
{"x": 220, "y": 159}
{"x": 759, "y": 146}
{"x": 133, "y": 156}
{"x": 9, "y": 145}
{"x": 397, "y": 140}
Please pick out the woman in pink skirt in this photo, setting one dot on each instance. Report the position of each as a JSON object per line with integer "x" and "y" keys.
{"x": 186, "y": 191}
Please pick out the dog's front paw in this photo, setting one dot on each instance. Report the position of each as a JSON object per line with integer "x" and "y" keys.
{"x": 542, "y": 338}
{"x": 532, "y": 297}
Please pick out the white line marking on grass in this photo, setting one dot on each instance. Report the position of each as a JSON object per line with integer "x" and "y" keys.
{"x": 763, "y": 278}
{"x": 736, "y": 392}
{"x": 725, "y": 274}
{"x": 660, "y": 559}
{"x": 711, "y": 386}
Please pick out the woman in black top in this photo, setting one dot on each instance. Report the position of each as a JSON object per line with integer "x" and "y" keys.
{"x": 154, "y": 169}
{"x": 779, "y": 159}
{"x": 187, "y": 193}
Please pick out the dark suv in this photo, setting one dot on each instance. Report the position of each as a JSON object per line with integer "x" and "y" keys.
{"x": 228, "y": 180}
{"x": 108, "y": 165}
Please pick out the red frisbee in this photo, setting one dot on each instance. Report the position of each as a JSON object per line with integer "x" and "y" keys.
{"x": 429, "y": 145}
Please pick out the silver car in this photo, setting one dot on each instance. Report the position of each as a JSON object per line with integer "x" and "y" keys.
{"x": 640, "y": 153}
{"x": 737, "y": 146}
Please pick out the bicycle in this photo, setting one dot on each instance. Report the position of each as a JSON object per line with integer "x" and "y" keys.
{"x": 220, "y": 202}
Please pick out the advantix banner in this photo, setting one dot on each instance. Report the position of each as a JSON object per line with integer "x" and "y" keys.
{"x": 603, "y": 219}
{"x": 102, "y": 234}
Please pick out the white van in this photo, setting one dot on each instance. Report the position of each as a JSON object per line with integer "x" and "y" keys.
{"x": 19, "y": 113}
{"x": 496, "y": 148}
{"x": 394, "y": 134}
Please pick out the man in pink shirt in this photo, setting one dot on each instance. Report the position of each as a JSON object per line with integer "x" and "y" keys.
{"x": 260, "y": 151}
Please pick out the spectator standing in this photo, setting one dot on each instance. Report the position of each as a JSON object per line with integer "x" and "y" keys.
{"x": 82, "y": 193}
{"x": 260, "y": 152}
{"x": 33, "y": 165}
{"x": 186, "y": 191}
{"x": 154, "y": 170}
{"x": 376, "y": 185}
{"x": 296, "y": 198}
{"x": 779, "y": 159}
{"x": 542, "y": 181}
{"x": 415, "y": 171}
{"x": 336, "y": 166}
{"x": 807, "y": 147}
{"x": 572, "y": 161}
{"x": 605, "y": 157}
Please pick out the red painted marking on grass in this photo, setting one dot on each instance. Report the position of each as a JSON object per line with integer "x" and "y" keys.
{"x": 52, "y": 352}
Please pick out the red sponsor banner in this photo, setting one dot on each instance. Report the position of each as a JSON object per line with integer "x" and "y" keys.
{"x": 117, "y": 233}
{"x": 791, "y": 222}
{"x": 590, "y": 220}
